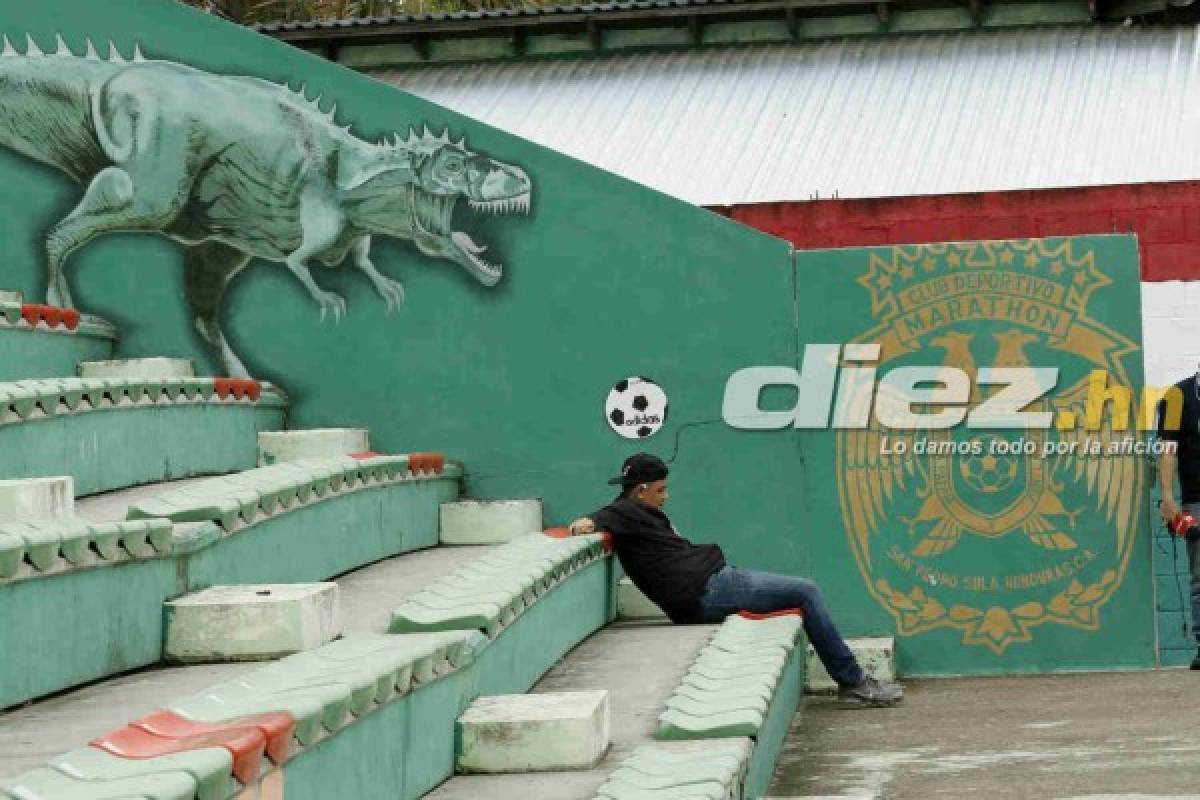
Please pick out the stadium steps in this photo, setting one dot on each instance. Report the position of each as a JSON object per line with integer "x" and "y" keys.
{"x": 114, "y": 433}
{"x": 38, "y": 341}
{"x": 323, "y": 516}
{"x": 640, "y": 664}
{"x": 357, "y": 688}
{"x": 39, "y": 731}
{"x": 697, "y": 711}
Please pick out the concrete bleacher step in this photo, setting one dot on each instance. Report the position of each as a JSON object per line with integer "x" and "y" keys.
{"x": 40, "y": 341}
{"x": 489, "y": 521}
{"x": 258, "y": 622}
{"x": 112, "y": 433}
{"x": 639, "y": 665}
{"x": 534, "y": 732}
{"x": 37, "y": 732}
{"x": 384, "y": 696}
{"x": 143, "y": 547}
{"x": 645, "y": 666}
{"x": 37, "y": 498}
{"x": 291, "y": 445}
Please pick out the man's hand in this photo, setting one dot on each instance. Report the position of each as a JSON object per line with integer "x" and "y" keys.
{"x": 1168, "y": 508}
{"x": 582, "y": 526}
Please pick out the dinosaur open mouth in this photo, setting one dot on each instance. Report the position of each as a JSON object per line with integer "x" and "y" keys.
{"x": 432, "y": 215}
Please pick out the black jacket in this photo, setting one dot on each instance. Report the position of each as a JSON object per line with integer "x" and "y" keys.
{"x": 666, "y": 567}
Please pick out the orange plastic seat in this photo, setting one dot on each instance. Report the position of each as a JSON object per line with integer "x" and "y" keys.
{"x": 276, "y": 727}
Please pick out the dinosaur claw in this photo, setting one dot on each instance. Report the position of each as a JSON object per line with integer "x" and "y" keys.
{"x": 328, "y": 301}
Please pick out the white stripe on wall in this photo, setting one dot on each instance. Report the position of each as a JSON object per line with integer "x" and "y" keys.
{"x": 1170, "y": 330}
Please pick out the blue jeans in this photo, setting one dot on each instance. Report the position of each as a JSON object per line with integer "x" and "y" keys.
{"x": 733, "y": 589}
{"x": 1193, "y": 550}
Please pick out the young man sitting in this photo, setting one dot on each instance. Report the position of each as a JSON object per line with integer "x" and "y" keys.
{"x": 693, "y": 584}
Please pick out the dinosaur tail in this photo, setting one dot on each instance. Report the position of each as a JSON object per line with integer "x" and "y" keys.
{"x": 46, "y": 106}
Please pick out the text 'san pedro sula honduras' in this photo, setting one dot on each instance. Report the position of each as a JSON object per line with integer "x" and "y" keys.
{"x": 928, "y": 398}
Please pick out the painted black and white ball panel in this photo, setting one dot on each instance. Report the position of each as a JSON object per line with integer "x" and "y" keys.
{"x": 636, "y": 407}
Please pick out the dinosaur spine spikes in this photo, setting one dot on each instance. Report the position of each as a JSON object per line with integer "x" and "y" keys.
{"x": 114, "y": 55}
{"x": 427, "y": 142}
{"x": 91, "y": 54}
{"x": 61, "y": 48}
{"x": 31, "y": 49}
{"x": 138, "y": 58}
{"x": 9, "y": 50}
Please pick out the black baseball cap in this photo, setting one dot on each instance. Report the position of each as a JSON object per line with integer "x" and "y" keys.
{"x": 640, "y": 468}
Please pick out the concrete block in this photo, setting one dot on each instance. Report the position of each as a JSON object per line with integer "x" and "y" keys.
{"x": 250, "y": 623}
{"x": 139, "y": 368}
{"x": 876, "y": 655}
{"x": 11, "y": 297}
{"x": 489, "y": 521}
{"x": 632, "y": 604}
{"x": 534, "y": 732}
{"x": 276, "y": 446}
{"x": 33, "y": 499}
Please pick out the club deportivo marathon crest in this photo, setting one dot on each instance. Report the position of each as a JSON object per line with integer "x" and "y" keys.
{"x": 992, "y": 545}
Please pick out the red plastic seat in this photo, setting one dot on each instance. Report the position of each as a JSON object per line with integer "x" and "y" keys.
{"x": 786, "y": 612}
{"x": 276, "y": 727}
{"x": 245, "y": 744}
{"x": 419, "y": 463}
{"x": 53, "y": 316}
{"x": 237, "y": 388}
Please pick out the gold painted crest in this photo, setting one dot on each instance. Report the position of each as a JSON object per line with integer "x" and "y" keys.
{"x": 948, "y": 533}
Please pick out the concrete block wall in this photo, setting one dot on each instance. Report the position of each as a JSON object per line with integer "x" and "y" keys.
{"x": 1164, "y": 216}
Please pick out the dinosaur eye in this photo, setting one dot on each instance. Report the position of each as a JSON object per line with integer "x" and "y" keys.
{"x": 454, "y": 165}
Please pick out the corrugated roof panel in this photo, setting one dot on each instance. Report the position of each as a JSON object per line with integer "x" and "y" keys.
{"x": 879, "y": 117}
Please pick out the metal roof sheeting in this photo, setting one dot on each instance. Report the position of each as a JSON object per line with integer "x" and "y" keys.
{"x": 568, "y": 9}
{"x": 875, "y": 117}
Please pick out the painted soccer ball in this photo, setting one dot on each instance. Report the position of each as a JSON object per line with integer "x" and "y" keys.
{"x": 636, "y": 407}
{"x": 988, "y": 473}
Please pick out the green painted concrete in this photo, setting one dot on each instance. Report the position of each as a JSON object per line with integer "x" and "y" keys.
{"x": 408, "y": 747}
{"x": 116, "y": 619}
{"x": 73, "y": 627}
{"x": 1177, "y": 646}
{"x": 985, "y": 604}
{"x": 326, "y": 538}
{"x": 26, "y": 353}
{"x": 119, "y": 447}
{"x": 511, "y": 379}
{"x": 789, "y": 693}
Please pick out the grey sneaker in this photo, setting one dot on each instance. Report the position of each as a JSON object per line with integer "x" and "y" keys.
{"x": 870, "y": 694}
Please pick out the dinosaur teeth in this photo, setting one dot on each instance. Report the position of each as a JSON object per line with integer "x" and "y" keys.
{"x": 466, "y": 243}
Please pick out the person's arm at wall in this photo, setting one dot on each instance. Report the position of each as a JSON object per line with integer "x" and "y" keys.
{"x": 1168, "y": 465}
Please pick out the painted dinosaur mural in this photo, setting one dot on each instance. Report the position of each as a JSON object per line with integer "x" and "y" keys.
{"x": 237, "y": 168}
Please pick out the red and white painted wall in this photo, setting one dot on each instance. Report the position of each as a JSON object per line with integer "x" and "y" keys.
{"x": 1164, "y": 216}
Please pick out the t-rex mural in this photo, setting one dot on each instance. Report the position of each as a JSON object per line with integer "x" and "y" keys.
{"x": 237, "y": 168}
